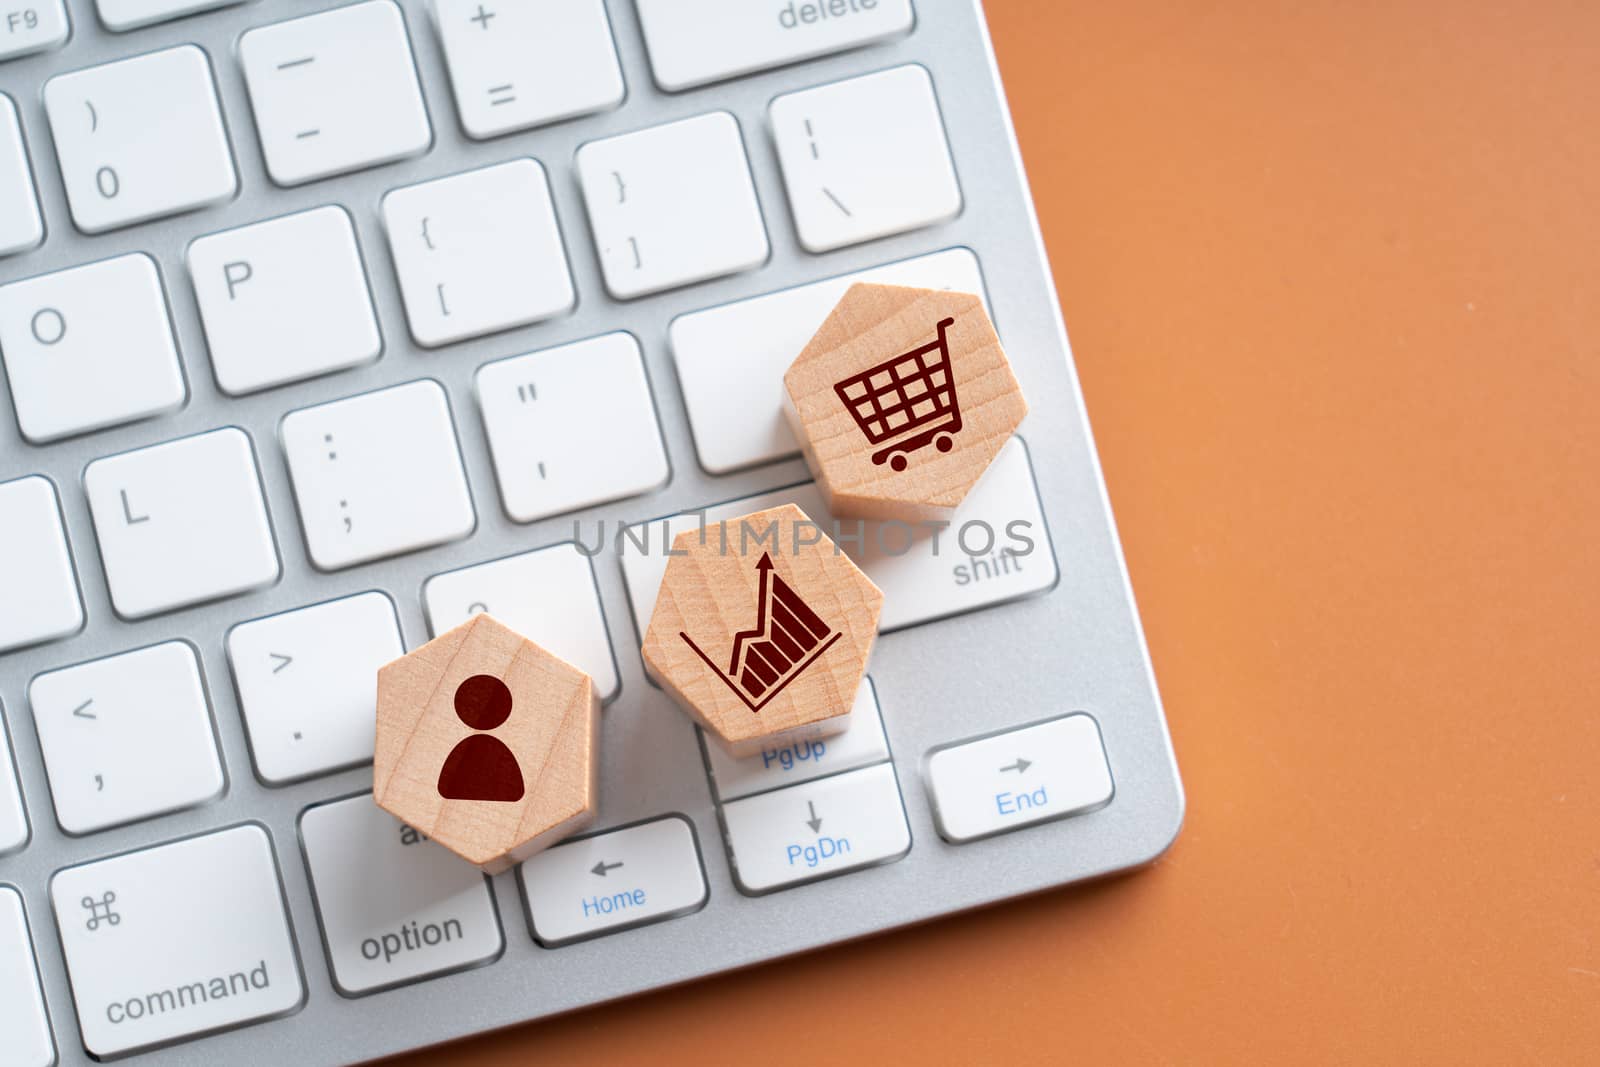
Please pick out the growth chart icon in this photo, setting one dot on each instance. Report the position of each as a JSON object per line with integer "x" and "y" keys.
{"x": 761, "y": 630}
{"x": 786, "y": 639}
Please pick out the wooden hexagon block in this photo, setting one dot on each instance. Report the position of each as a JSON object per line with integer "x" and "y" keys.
{"x": 901, "y": 401}
{"x": 486, "y": 744}
{"x": 762, "y": 629}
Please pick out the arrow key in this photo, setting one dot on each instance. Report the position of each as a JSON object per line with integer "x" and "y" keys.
{"x": 614, "y": 880}
{"x": 822, "y": 828}
{"x": 988, "y": 786}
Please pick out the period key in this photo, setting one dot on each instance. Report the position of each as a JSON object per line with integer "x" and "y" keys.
{"x": 1019, "y": 777}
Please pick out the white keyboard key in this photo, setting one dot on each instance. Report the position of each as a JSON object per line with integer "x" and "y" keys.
{"x": 548, "y": 595}
{"x": 334, "y": 92}
{"x": 865, "y": 158}
{"x": 21, "y": 228}
{"x": 126, "y": 737}
{"x": 140, "y": 138}
{"x": 478, "y": 252}
{"x": 378, "y": 474}
{"x": 516, "y": 65}
{"x": 995, "y": 549}
{"x": 89, "y": 347}
{"x": 306, "y": 684}
{"x": 22, "y": 1018}
{"x": 861, "y": 743}
{"x": 1018, "y": 778}
{"x": 176, "y": 941}
{"x": 33, "y": 26}
{"x": 731, "y": 358}
{"x": 394, "y": 906}
{"x": 13, "y": 820}
{"x": 120, "y": 15}
{"x": 686, "y": 52}
{"x": 923, "y": 571}
{"x": 818, "y": 829}
{"x": 672, "y": 205}
{"x": 41, "y": 589}
{"x": 572, "y": 426}
{"x": 181, "y": 523}
{"x": 284, "y": 300}
{"x": 614, "y": 881}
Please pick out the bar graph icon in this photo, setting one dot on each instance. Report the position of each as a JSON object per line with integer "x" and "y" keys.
{"x": 786, "y": 639}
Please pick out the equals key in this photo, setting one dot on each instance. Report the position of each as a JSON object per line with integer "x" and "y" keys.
{"x": 502, "y": 94}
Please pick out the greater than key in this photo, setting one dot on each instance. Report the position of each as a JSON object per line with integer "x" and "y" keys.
{"x": 762, "y": 629}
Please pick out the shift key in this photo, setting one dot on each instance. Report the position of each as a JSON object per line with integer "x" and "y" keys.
{"x": 176, "y": 941}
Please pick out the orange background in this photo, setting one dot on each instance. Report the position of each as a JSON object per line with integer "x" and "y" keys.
{"x": 1330, "y": 272}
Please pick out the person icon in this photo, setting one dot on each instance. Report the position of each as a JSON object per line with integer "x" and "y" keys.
{"x": 481, "y": 766}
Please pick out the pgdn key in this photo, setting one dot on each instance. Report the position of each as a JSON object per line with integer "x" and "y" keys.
{"x": 818, "y": 829}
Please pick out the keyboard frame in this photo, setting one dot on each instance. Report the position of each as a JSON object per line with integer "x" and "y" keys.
{"x": 1077, "y": 647}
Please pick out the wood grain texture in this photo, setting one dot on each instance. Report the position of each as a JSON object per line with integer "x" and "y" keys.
{"x": 551, "y": 731}
{"x": 853, "y": 453}
{"x": 798, "y": 673}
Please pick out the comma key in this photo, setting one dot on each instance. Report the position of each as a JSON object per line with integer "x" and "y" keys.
{"x": 201, "y": 942}
{"x": 126, "y": 737}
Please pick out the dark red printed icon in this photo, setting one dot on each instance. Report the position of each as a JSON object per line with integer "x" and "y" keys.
{"x": 481, "y": 766}
{"x": 786, "y": 639}
{"x": 908, "y": 401}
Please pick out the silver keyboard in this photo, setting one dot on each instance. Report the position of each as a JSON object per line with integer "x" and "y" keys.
{"x": 326, "y": 326}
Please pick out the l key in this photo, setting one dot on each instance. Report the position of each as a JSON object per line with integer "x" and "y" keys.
{"x": 181, "y": 523}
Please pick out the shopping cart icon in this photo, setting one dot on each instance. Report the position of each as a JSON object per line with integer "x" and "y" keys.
{"x": 787, "y": 638}
{"x": 909, "y": 401}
